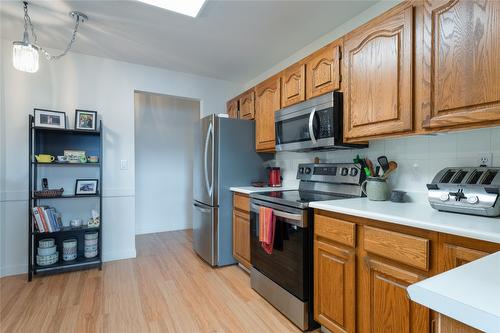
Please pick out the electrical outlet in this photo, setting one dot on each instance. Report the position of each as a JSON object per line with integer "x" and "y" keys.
{"x": 123, "y": 164}
{"x": 485, "y": 159}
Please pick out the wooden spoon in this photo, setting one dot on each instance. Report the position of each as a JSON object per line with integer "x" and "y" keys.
{"x": 392, "y": 167}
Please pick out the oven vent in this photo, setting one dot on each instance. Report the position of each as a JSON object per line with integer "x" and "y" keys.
{"x": 448, "y": 176}
{"x": 474, "y": 177}
{"x": 489, "y": 176}
{"x": 459, "y": 176}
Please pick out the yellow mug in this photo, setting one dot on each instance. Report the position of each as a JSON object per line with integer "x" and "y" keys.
{"x": 44, "y": 158}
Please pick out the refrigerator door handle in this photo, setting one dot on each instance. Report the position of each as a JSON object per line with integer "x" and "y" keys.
{"x": 210, "y": 134}
{"x": 201, "y": 208}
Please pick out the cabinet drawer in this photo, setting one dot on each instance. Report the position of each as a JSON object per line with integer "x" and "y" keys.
{"x": 407, "y": 249}
{"x": 241, "y": 202}
{"x": 336, "y": 230}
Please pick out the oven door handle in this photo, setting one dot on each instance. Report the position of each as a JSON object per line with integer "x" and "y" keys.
{"x": 295, "y": 219}
{"x": 311, "y": 127}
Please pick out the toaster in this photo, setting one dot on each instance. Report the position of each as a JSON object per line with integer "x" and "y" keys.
{"x": 466, "y": 190}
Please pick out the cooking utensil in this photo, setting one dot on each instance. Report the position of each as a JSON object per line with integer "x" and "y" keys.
{"x": 369, "y": 164}
{"x": 383, "y": 162}
{"x": 392, "y": 167}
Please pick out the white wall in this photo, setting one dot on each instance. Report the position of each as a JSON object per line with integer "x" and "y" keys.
{"x": 164, "y": 150}
{"x": 86, "y": 82}
{"x": 419, "y": 157}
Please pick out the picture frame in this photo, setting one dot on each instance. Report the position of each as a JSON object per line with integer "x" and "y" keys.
{"x": 86, "y": 186}
{"x": 85, "y": 120}
{"x": 50, "y": 119}
{"x": 74, "y": 156}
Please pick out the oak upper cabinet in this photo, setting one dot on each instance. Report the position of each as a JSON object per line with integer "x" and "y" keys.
{"x": 334, "y": 274}
{"x": 267, "y": 102}
{"x": 377, "y": 76}
{"x": 391, "y": 261}
{"x": 247, "y": 105}
{"x": 232, "y": 108}
{"x": 293, "y": 85}
{"x": 323, "y": 70}
{"x": 461, "y": 64}
{"x": 241, "y": 229}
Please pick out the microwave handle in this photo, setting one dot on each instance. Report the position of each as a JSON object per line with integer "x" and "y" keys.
{"x": 311, "y": 127}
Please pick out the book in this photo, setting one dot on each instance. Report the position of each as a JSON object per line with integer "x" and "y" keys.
{"x": 42, "y": 217}
{"x": 38, "y": 220}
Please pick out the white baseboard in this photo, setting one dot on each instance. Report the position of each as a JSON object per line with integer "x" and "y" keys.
{"x": 142, "y": 230}
{"x": 107, "y": 256}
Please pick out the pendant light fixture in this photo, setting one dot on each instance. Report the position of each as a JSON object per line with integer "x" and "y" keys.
{"x": 25, "y": 53}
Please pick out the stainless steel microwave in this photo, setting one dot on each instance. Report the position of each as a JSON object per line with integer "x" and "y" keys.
{"x": 311, "y": 125}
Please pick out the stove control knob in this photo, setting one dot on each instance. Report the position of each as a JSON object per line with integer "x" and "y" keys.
{"x": 308, "y": 171}
{"x": 344, "y": 171}
{"x": 473, "y": 199}
{"x": 445, "y": 197}
{"x": 301, "y": 170}
{"x": 354, "y": 172}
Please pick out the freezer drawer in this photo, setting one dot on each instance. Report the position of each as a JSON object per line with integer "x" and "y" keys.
{"x": 205, "y": 232}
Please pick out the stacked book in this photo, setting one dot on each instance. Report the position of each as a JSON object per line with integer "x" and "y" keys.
{"x": 46, "y": 219}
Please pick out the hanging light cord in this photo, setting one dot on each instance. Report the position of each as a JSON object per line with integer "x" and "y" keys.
{"x": 27, "y": 22}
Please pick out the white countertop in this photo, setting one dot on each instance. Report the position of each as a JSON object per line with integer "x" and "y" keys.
{"x": 253, "y": 189}
{"x": 469, "y": 294}
{"x": 417, "y": 214}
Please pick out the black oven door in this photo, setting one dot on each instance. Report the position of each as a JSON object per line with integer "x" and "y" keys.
{"x": 288, "y": 265}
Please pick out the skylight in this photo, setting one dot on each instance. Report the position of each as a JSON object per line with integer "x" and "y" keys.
{"x": 185, "y": 7}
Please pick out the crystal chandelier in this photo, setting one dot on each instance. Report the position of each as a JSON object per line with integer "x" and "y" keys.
{"x": 25, "y": 53}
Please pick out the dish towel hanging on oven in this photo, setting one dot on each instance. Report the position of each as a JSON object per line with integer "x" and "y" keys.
{"x": 267, "y": 222}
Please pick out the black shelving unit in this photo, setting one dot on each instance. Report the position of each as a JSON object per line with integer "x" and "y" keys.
{"x": 54, "y": 142}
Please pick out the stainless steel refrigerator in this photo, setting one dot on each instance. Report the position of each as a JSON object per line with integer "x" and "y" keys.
{"x": 224, "y": 156}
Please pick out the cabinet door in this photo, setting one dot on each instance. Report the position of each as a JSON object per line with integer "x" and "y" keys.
{"x": 385, "y": 304}
{"x": 334, "y": 287}
{"x": 247, "y": 105}
{"x": 461, "y": 65}
{"x": 232, "y": 108}
{"x": 267, "y": 103}
{"x": 293, "y": 85}
{"x": 377, "y": 78}
{"x": 323, "y": 70}
{"x": 241, "y": 237}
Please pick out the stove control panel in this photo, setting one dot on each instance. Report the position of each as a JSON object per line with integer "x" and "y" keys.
{"x": 340, "y": 173}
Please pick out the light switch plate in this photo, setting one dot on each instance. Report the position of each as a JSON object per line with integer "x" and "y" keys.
{"x": 123, "y": 165}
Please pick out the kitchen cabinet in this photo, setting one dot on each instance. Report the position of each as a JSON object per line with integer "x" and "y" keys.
{"x": 461, "y": 57}
{"x": 334, "y": 275}
{"x": 293, "y": 85}
{"x": 232, "y": 108}
{"x": 267, "y": 102}
{"x": 448, "y": 325}
{"x": 323, "y": 70}
{"x": 241, "y": 229}
{"x": 377, "y": 76}
{"x": 247, "y": 105}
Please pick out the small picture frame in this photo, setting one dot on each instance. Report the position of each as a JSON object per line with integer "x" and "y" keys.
{"x": 85, "y": 120}
{"x": 86, "y": 186}
{"x": 50, "y": 119}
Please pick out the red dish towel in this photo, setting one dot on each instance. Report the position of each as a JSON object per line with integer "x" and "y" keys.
{"x": 267, "y": 222}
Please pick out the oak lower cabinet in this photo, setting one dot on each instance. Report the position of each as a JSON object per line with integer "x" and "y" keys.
{"x": 461, "y": 57}
{"x": 267, "y": 102}
{"x": 377, "y": 76}
{"x": 241, "y": 229}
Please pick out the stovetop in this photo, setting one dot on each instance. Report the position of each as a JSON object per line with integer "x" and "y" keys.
{"x": 296, "y": 198}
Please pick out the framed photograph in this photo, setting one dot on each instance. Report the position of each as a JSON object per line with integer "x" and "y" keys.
{"x": 86, "y": 186}
{"x": 50, "y": 119}
{"x": 86, "y": 120}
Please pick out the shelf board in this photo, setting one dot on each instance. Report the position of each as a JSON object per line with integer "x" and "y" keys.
{"x": 70, "y": 196}
{"x": 68, "y": 229}
{"x": 66, "y": 265}
{"x": 66, "y": 164}
{"x": 66, "y": 130}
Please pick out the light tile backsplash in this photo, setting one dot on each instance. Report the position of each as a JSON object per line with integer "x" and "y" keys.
{"x": 419, "y": 157}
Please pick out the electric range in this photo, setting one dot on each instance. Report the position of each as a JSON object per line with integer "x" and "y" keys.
{"x": 284, "y": 277}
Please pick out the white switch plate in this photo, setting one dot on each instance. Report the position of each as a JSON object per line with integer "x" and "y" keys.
{"x": 123, "y": 165}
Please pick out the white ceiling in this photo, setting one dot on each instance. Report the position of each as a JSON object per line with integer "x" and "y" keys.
{"x": 231, "y": 40}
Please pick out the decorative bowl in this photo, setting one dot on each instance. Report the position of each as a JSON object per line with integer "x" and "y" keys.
{"x": 47, "y": 260}
{"x": 90, "y": 242}
{"x": 91, "y": 254}
{"x": 47, "y": 251}
{"x": 90, "y": 248}
{"x": 69, "y": 257}
{"x": 69, "y": 243}
{"x": 91, "y": 235}
{"x": 46, "y": 242}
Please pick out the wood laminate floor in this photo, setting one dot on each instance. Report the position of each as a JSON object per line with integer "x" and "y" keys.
{"x": 167, "y": 288}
